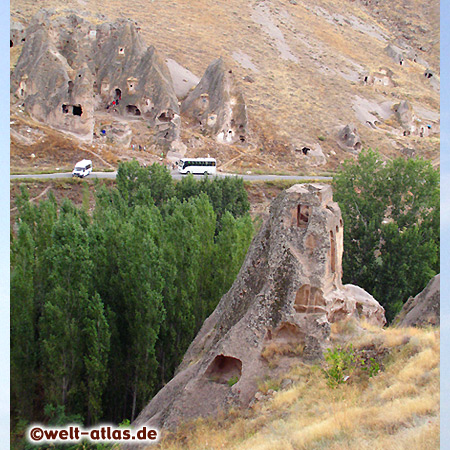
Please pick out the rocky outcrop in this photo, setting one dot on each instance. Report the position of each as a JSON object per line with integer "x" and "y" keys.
{"x": 423, "y": 309}
{"x": 348, "y": 139}
{"x": 217, "y": 105}
{"x": 286, "y": 295}
{"x": 404, "y": 114}
{"x": 17, "y": 34}
{"x": 396, "y": 53}
{"x": 69, "y": 68}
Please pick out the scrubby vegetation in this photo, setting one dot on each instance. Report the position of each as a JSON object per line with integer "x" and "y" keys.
{"x": 396, "y": 408}
{"x": 105, "y": 303}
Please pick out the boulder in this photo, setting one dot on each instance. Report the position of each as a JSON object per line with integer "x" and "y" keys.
{"x": 348, "y": 139}
{"x": 423, "y": 309}
{"x": 286, "y": 295}
{"x": 217, "y": 105}
{"x": 404, "y": 114}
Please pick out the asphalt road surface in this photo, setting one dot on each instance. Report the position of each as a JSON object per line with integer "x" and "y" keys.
{"x": 178, "y": 176}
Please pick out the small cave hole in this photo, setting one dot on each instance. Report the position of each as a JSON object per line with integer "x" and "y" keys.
{"x": 303, "y": 213}
{"x": 23, "y": 39}
{"x": 242, "y": 138}
{"x": 305, "y": 150}
{"x": 65, "y": 109}
{"x": 11, "y": 43}
{"x": 166, "y": 116}
{"x": 133, "y": 110}
{"x": 118, "y": 94}
{"x": 357, "y": 146}
{"x": 223, "y": 369}
{"x": 77, "y": 110}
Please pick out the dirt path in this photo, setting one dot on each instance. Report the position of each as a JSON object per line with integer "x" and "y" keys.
{"x": 34, "y": 198}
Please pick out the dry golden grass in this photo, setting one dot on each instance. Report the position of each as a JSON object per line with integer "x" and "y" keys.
{"x": 397, "y": 409}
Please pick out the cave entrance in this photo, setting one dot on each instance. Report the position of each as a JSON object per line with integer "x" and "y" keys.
{"x": 166, "y": 116}
{"x": 65, "y": 109}
{"x": 223, "y": 369}
{"x": 133, "y": 110}
{"x": 77, "y": 110}
{"x": 117, "y": 94}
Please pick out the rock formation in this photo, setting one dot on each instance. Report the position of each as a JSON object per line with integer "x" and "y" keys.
{"x": 396, "y": 53}
{"x": 287, "y": 293}
{"x": 404, "y": 114}
{"x": 217, "y": 105}
{"x": 423, "y": 309}
{"x": 70, "y": 68}
{"x": 348, "y": 139}
{"x": 17, "y": 34}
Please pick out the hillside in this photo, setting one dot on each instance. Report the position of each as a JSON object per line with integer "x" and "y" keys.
{"x": 396, "y": 409}
{"x": 305, "y": 72}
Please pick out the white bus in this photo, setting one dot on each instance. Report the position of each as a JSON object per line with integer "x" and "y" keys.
{"x": 204, "y": 166}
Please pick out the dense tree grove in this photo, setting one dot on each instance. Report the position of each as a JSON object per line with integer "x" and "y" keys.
{"x": 391, "y": 226}
{"x": 104, "y": 305}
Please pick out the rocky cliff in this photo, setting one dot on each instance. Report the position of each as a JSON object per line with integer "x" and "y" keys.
{"x": 70, "y": 68}
{"x": 286, "y": 295}
{"x": 423, "y": 309}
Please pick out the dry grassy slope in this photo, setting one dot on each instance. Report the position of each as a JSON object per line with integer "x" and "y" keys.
{"x": 307, "y": 57}
{"x": 398, "y": 409}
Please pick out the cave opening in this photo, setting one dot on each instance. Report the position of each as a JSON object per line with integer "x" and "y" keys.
{"x": 133, "y": 110}
{"x": 303, "y": 213}
{"x": 77, "y": 110}
{"x": 223, "y": 369}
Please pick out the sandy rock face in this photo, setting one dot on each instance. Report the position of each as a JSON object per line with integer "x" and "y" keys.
{"x": 217, "y": 105}
{"x": 70, "y": 68}
{"x": 287, "y": 293}
{"x": 423, "y": 309}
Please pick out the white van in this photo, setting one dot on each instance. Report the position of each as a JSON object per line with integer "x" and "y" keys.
{"x": 82, "y": 168}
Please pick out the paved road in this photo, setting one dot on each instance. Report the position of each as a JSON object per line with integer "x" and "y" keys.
{"x": 178, "y": 176}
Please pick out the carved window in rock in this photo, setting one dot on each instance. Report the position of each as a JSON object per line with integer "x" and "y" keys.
{"x": 302, "y": 299}
{"x": 303, "y": 213}
{"x": 309, "y": 300}
{"x": 77, "y": 110}
{"x": 332, "y": 251}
